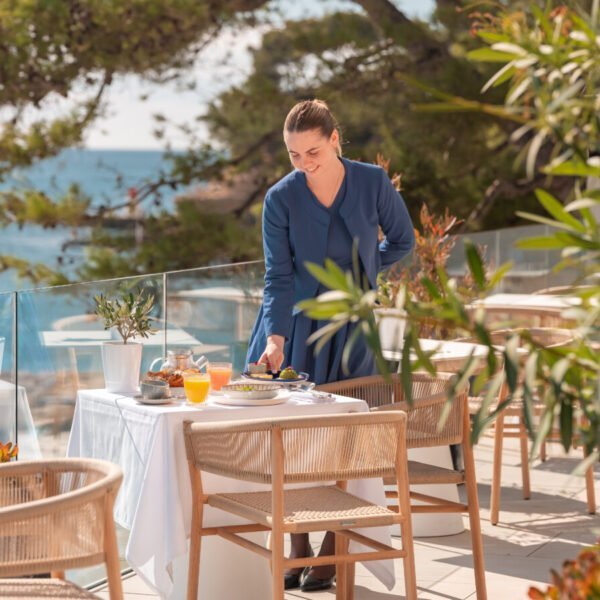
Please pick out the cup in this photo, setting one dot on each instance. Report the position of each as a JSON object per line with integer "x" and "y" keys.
{"x": 219, "y": 373}
{"x": 196, "y": 387}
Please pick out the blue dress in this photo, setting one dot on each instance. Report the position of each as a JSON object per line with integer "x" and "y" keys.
{"x": 298, "y": 229}
{"x": 326, "y": 366}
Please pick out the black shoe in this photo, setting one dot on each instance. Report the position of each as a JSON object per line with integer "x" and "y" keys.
{"x": 291, "y": 581}
{"x": 313, "y": 584}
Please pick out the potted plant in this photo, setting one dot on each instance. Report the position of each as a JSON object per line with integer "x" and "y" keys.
{"x": 433, "y": 246}
{"x": 129, "y": 314}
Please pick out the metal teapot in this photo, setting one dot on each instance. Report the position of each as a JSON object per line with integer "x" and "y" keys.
{"x": 179, "y": 360}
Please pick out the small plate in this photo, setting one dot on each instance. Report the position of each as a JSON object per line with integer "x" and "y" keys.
{"x": 153, "y": 401}
{"x": 301, "y": 377}
{"x": 177, "y": 392}
{"x": 282, "y": 396}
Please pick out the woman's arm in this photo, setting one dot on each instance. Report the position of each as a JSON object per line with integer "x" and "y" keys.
{"x": 396, "y": 224}
{"x": 278, "y": 299}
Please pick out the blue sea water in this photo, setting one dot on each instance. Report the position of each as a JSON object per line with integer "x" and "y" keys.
{"x": 104, "y": 175}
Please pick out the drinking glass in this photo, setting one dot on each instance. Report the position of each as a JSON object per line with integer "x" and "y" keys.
{"x": 196, "y": 386}
{"x": 219, "y": 373}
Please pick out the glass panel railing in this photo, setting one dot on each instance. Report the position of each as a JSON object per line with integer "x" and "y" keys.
{"x": 532, "y": 270}
{"x": 215, "y": 307}
{"x": 59, "y": 352}
{"x": 8, "y": 395}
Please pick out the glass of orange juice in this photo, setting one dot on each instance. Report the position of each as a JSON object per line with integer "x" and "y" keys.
{"x": 196, "y": 386}
{"x": 219, "y": 373}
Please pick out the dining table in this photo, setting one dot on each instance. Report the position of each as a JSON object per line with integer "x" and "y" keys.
{"x": 154, "y": 502}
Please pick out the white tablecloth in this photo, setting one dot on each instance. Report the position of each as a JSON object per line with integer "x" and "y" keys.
{"x": 155, "y": 499}
{"x": 29, "y": 447}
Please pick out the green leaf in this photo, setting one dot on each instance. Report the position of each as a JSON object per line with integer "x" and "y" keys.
{"x": 331, "y": 276}
{"x": 498, "y": 275}
{"x": 489, "y": 55}
{"x": 504, "y": 74}
{"x": 475, "y": 263}
{"x": 573, "y": 168}
{"x": 544, "y": 220}
{"x": 543, "y": 242}
{"x": 557, "y": 210}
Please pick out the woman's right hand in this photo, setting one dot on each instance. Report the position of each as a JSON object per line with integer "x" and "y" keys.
{"x": 273, "y": 354}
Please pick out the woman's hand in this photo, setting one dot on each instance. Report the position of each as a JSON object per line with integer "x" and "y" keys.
{"x": 273, "y": 354}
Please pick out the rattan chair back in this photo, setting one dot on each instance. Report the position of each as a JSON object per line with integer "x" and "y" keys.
{"x": 429, "y": 395}
{"x": 53, "y": 514}
{"x": 324, "y": 448}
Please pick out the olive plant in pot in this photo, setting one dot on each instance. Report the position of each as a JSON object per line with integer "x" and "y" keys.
{"x": 129, "y": 315}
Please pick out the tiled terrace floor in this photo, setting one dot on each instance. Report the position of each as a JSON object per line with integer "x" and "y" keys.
{"x": 533, "y": 536}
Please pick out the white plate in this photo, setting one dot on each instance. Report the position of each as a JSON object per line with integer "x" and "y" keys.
{"x": 177, "y": 392}
{"x": 251, "y": 394}
{"x": 152, "y": 401}
{"x": 280, "y": 398}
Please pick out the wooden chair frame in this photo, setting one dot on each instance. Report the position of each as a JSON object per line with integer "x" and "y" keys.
{"x": 351, "y": 439}
{"x": 422, "y": 431}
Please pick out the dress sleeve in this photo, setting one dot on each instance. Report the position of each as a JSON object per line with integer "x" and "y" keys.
{"x": 278, "y": 298}
{"x": 396, "y": 224}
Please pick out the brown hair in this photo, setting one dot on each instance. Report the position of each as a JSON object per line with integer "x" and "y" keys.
{"x": 312, "y": 114}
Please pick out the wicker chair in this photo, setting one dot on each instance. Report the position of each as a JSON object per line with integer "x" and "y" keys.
{"x": 429, "y": 398}
{"x": 310, "y": 451}
{"x": 515, "y": 427}
{"x": 57, "y": 515}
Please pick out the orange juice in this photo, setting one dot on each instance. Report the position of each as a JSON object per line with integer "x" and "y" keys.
{"x": 196, "y": 387}
{"x": 220, "y": 375}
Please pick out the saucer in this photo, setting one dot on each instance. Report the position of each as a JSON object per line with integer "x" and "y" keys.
{"x": 153, "y": 401}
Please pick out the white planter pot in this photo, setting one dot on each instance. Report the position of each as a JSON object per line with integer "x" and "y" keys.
{"x": 391, "y": 323}
{"x": 121, "y": 363}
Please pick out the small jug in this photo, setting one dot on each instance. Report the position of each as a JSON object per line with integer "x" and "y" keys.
{"x": 179, "y": 360}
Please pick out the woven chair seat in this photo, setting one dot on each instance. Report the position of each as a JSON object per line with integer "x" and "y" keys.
{"x": 326, "y": 507}
{"x": 34, "y": 589}
{"x": 420, "y": 473}
{"x": 424, "y": 474}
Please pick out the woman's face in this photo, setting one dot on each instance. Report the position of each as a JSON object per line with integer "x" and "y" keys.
{"x": 311, "y": 152}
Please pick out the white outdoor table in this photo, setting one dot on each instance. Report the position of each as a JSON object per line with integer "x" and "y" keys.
{"x": 29, "y": 447}
{"x": 438, "y": 524}
{"x": 154, "y": 502}
{"x": 529, "y": 301}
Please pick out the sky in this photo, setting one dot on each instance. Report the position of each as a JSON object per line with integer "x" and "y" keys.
{"x": 129, "y": 122}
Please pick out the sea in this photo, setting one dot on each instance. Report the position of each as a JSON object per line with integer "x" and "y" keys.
{"x": 104, "y": 175}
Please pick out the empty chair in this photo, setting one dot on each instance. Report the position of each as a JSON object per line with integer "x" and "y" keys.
{"x": 509, "y": 423}
{"x": 57, "y": 515}
{"x": 430, "y": 395}
{"x": 310, "y": 451}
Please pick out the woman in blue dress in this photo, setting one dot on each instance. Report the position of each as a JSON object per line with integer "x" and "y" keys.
{"x": 318, "y": 211}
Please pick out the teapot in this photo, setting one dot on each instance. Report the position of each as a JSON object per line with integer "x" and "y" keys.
{"x": 179, "y": 360}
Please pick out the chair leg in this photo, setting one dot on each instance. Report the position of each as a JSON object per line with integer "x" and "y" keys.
{"x": 195, "y": 547}
{"x": 591, "y": 491}
{"x": 474, "y": 521}
{"x": 277, "y": 562}
{"x": 543, "y": 455}
{"x": 410, "y": 578}
{"x": 111, "y": 553}
{"x": 350, "y": 572}
{"x": 524, "y": 442}
{"x": 341, "y": 568}
{"x": 497, "y": 471}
